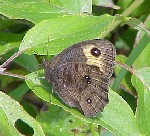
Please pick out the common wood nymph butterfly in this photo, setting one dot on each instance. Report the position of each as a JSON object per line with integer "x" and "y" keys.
{"x": 80, "y": 75}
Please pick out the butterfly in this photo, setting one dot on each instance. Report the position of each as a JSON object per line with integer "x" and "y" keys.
{"x": 80, "y": 75}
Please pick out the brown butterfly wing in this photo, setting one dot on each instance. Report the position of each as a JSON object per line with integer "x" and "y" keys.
{"x": 80, "y": 77}
{"x": 94, "y": 94}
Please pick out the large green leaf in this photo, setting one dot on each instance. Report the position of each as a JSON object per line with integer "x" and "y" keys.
{"x": 34, "y": 11}
{"x": 53, "y": 35}
{"x": 143, "y": 90}
{"x": 13, "y": 111}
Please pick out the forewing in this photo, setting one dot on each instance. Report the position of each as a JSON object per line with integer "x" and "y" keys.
{"x": 105, "y": 57}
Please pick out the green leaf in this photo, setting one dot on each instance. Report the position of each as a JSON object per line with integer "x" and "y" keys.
{"x": 14, "y": 111}
{"x": 117, "y": 116}
{"x": 57, "y": 122}
{"x": 35, "y": 81}
{"x": 29, "y": 62}
{"x": 143, "y": 74}
{"x": 4, "y": 129}
{"x": 53, "y": 35}
{"x": 7, "y": 129}
{"x": 143, "y": 59}
{"x": 143, "y": 91}
{"x": 74, "y": 6}
{"x": 34, "y": 11}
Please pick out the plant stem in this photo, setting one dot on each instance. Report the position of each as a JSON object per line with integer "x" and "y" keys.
{"x": 12, "y": 75}
{"x": 4, "y": 65}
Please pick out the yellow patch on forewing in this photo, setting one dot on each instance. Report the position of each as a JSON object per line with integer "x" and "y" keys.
{"x": 92, "y": 60}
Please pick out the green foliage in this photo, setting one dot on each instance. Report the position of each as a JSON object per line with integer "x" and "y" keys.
{"x": 41, "y": 27}
{"x": 143, "y": 111}
{"x": 13, "y": 111}
{"x": 65, "y": 30}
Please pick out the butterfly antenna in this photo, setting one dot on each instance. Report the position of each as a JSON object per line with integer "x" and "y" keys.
{"x": 45, "y": 59}
{"x": 47, "y": 49}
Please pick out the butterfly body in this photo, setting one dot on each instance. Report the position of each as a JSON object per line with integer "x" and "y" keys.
{"x": 80, "y": 75}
